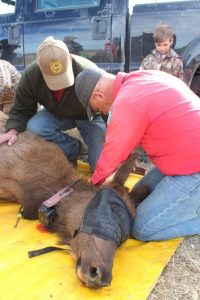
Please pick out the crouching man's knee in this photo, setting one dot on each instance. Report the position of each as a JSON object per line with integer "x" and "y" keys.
{"x": 138, "y": 233}
{"x": 147, "y": 231}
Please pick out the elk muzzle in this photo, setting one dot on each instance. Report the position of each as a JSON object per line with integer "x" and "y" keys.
{"x": 94, "y": 276}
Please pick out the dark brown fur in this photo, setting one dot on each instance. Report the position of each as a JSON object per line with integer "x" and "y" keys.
{"x": 32, "y": 170}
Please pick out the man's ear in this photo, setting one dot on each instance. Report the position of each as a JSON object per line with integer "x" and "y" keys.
{"x": 171, "y": 42}
{"x": 97, "y": 97}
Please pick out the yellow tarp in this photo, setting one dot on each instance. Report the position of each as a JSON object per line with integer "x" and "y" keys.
{"x": 137, "y": 265}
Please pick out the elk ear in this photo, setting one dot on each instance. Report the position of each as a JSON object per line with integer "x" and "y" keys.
{"x": 139, "y": 194}
{"x": 126, "y": 167}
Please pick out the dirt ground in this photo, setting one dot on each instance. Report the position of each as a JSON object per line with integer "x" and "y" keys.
{"x": 180, "y": 279}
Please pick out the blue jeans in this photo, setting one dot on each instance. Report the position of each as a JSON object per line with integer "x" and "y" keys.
{"x": 172, "y": 208}
{"x": 48, "y": 126}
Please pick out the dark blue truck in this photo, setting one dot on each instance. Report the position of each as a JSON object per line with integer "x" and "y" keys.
{"x": 108, "y": 32}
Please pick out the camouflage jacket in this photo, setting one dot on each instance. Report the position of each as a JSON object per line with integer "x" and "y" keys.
{"x": 170, "y": 63}
{"x": 9, "y": 78}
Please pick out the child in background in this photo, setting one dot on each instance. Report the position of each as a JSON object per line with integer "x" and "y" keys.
{"x": 163, "y": 57}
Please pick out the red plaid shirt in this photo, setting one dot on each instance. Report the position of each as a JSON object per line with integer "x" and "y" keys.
{"x": 58, "y": 94}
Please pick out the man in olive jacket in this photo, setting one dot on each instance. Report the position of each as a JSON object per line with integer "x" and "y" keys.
{"x": 49, "y": 81}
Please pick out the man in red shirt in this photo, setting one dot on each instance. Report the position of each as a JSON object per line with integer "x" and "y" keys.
{"x": 160, "y": 113}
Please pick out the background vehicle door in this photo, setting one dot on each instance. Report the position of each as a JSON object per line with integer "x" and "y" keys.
{"x": 84, "y": 25}
{"x": 11, "y": 32}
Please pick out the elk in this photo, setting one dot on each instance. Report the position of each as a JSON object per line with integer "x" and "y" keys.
{"x": 32, "y": 170}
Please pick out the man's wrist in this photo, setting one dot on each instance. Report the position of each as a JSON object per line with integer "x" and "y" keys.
{"x": 15, "y": 131}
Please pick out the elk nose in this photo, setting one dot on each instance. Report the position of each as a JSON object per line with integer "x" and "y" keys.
{"x": 94, "y": 273}
{"x": 96, "y": 278}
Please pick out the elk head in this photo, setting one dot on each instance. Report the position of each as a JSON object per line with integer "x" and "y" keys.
{"x": 106, "y": 224}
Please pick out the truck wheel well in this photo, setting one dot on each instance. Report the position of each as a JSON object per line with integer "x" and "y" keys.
{"x": 195, "y": 84}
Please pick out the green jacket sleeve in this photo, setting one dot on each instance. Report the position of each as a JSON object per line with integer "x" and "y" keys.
{"x": 25, "y": 105}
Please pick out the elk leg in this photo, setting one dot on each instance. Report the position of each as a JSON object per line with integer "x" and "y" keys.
{"x": 139, "y": 194}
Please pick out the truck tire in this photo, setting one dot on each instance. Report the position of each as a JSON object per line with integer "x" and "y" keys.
{"x": 195, "y": 85}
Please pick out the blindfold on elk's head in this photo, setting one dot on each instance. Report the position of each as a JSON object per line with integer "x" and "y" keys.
{"x": 107, "y": 217}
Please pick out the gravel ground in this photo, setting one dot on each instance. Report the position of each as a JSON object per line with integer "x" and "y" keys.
{"x": 180, "y": 280}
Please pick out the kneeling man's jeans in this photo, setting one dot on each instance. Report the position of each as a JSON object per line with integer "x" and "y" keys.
{"x": 46, "y": 125}
{"x": 171, "y": 210}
